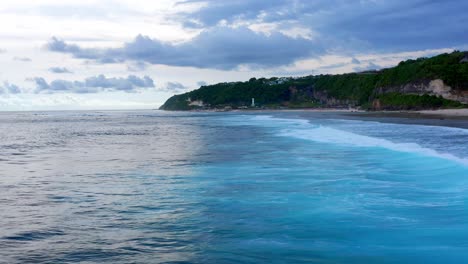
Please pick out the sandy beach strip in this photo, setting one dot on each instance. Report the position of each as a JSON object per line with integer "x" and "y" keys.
{"x": 446, "y": 112}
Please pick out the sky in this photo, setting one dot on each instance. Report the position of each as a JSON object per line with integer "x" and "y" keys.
{"x": 135, "y": 54}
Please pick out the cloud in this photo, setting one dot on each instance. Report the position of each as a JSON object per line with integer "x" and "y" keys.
{"x": 369, "y": 67}
{"x": 94, "y": 84}
{"x": 174, "y": 87}
{"x": 9, "y": 88}
{"x": 3, "y": 51}
{"x": 397, "y": 25}
{"x": 137, "y": 66}
{"x": 59, "y": 70}
{"x": 347, "y": 26}
{"x": 12, "y": 88}
{"x": 218, "y": 48}
{"x": 23, "y": 59}
{"x": 201, "y": 83}
{"x": 213, "y": 12}
{"x": 355, "y": 61}
{"x": 58, "y": 45}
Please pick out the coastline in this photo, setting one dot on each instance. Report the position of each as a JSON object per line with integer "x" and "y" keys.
{"x": 438, "y": 113}
{"x": 446, "y": 112}
{"x": 452, "y": 118}
{"x": 457, "y": 118}
{"x": 445, "y": 117}
{"x": 312, "y": 110}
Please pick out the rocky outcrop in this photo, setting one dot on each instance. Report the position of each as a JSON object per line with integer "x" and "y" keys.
{"x": 326, "y": 100}
{"x": 322, "y": 97}
{"x": 431, "y": 87}
{"x": 197, "y": 103}
{"x": 376, "y": 105}
{"x": 465, "y": 58}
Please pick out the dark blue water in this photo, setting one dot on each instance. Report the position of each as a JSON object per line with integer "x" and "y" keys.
{"x": 162, "y": 187}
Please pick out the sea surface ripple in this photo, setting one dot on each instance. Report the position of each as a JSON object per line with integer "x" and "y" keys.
{"x": 175, "y": 187}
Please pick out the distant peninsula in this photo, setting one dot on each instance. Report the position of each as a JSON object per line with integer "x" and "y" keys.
{"x": 425, "y": 83}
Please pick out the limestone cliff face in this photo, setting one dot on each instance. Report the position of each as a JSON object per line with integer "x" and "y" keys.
{"x": 431, "y": 87}
{"x": 198, "y": 103}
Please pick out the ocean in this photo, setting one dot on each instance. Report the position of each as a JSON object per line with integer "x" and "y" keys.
{"x": 236, "y": 187}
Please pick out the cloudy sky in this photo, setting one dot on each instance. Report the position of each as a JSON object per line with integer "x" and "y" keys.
{"x": 134, "y": 54}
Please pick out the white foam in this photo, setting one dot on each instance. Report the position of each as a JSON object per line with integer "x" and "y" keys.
{"x": 279, "y": 121}
{"x": 340, "y": 137}
{"x": 303, "y": 129}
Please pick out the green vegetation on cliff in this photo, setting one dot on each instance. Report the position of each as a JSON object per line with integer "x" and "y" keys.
{"x": 398, "y": 101}
{"x": 356, "y": 89}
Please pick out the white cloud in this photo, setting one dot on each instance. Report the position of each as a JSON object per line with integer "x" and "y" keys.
{"x": 23, "y": 59}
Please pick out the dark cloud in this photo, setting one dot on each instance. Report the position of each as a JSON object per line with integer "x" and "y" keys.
{"x": 23, "y": 59}
{"x": 174, "y": 87}
{"x": 58, "y": 45}
{"x": 220, "y": 48}
{"x": 215, "y": 11}
{"x": 94, "y": 84}
{"x": 41, "y": 83}
{"x": 331, "y": 66}
{"x": 397, "y": 25}
{"x": 201, "y": 83}
{"x": 59, "y": 70}
{"x": 369, "y": 67}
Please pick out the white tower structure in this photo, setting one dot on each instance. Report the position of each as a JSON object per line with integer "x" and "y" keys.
{"x": 253, "y": 102}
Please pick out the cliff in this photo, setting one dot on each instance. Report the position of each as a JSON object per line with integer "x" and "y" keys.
{"x": 425, "y": 83}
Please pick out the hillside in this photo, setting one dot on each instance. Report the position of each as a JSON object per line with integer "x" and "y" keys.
{"x": 425, "y": 83}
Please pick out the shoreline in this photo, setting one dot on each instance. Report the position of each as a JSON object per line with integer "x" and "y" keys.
{"x": 443, "y": 117}
{"x": 447, "y": 113}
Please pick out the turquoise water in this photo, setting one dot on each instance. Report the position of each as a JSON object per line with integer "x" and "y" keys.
{"x": 163, "y": 187}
